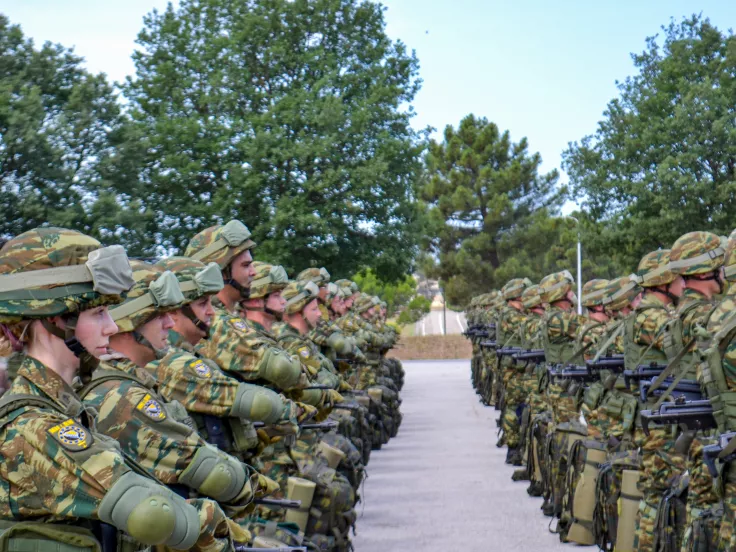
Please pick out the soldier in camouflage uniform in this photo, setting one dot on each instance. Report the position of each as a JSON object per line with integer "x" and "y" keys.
{"x": 508, "y": 334}
{"x": 695, "y": 261}
{"x": 80, "y": 486}
{"x": 487, "y": 385}
{"x": 249, "y": 356}
{"x": 157, "y": 433}
{"x": 559, "y": 334}
{"x": 718, "y": 376}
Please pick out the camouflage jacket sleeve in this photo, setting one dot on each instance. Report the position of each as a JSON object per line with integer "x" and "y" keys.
{"x": 563, "y": 326}
{"x": 140, "y": 422}
{"x": 234, "y": 346}
{"x": 52, "y": 466}
{"x": 197, "y": 385}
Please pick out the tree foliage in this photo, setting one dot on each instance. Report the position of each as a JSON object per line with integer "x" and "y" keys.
{"x": 397, "y": 294}
{"x": 664, "y": 155}
{"x": 415, "y": 310}
{"x": 290, "y": 115}
{"x": 57, "y": 127}
{"x": 489, "y": 209}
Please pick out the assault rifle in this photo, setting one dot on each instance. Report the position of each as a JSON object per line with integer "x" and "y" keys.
{"x": 279, "y": 503}
{"x": 609, "y": 362}
{"x": 685, "y": 390}
{"x": 243, "y": 548}
{"x": 692, "y": 414}
{"x": 643, "y": 371}
{"x": 530, "y": 354}
{"x": 321, "y": 426}
{"x": 580, "y": 373}
{"x": 508, "y": 351}
{"x": 711, "y": 453}
{"x": 488, "y": 344}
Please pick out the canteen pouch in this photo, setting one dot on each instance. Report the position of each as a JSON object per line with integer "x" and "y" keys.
{"x": 628, "y": 507}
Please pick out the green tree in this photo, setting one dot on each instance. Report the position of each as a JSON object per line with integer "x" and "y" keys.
{"x": 397, "y": 294}
{"x": 57, "y": 123}
{"x": 662, "y": 160}
{"x": 489, "y": 208}
{"x": 415, "y": 310}
{"x": 291, "y": 115}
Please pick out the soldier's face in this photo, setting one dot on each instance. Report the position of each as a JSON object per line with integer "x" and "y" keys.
{"x": 311, "y": 313}
{"x": 276, "y": 303}
{"x": 677, "y": 286}
{"x": 241, "y": 269}
{"x": 338, "y": 305}
{"x": 322, "y": 293}
{"x": 203, "y": 309}
{"x": 94, "y": 328}
{"x": 156, "y": 330}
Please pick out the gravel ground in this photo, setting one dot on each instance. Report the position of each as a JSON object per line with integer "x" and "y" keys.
{"x": 441, "y": 484}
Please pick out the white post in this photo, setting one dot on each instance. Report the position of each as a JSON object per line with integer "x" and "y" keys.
{"x": 580, "y": 276}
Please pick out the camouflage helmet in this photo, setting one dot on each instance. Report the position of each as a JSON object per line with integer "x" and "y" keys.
{"x": 299, "y": 294}
{"x": 332, "y": 292}
{"x": 531, "y": 298}
{"x": 220, "y": 243}
{"x": 156, "y": 291}
{"x": 554, "y": 287}
{"x": 49, "y": 272}
{"x": 696, "y": 253}
{"x": 729, "y": 260}
{"x": 593, "y": 292}
{"x": 268, "y": 279}
{"x": 620, "y": 292}
{"x": 196, "y": 279}
{"x": 348, "y": 287}
{"x": 319, "y": 276}
{"x": 364, "y": 303}
{"x": 514, "y": 288}
{"x": 654, "y": 269}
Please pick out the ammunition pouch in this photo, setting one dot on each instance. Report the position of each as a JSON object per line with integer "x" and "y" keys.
{"x": 214, "y": 474}
{"x": 257, "y": 403}
{"x": 150, "y": 513}
{"x": 281, "y": 369}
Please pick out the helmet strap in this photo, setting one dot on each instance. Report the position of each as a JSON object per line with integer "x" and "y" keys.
{"x": 87, "y": 362}
{"x": 201, "y": 326}
{"x": 141, "y": 340}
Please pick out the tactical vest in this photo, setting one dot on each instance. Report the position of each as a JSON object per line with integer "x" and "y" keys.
{"x": 674, "y": 341}
{"x": 505, "y": 338}
{"x": 73, "y": 536}
{"x": 636, "y": 353}
{"x": 721, "y": 396}
{"x": 557, "y": 350}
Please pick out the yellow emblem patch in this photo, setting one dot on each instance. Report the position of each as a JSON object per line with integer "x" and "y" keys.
{"x": 200, "y": 368}
{"x": 71, "y": 435}
{"x": 239, "y": 324}
{"x": 304, "y": 352}
{"x": 151, "y": 408}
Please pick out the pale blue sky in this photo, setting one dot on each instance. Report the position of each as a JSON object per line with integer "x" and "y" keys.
{"x": 541, "y": 69}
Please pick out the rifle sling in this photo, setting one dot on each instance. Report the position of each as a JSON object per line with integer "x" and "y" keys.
{"x": 671, "y": 367}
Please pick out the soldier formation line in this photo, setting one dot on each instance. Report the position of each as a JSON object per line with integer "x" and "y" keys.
{"x": 622, "y": 420}
{"x": 204, "y": 402}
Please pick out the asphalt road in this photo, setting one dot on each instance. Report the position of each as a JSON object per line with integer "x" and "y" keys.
{"x": 442, "y": 484}
{"x": 433, "y": 323}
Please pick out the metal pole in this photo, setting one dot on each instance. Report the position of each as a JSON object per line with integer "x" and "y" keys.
{"x": 580, "y": 275}
{"x": 444, "y": 312}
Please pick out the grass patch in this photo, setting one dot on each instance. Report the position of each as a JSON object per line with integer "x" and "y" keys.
{"x": 432, "y": 347}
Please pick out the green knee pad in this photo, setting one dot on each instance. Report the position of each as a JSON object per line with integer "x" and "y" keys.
{"x": 214, "y": 474}
{"x": 280, "y": 368}
{"x": 150, "y": 513}
{"x": 258, "y": 404}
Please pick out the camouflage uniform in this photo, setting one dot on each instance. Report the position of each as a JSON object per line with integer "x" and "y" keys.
{"x": 55, "y": 467}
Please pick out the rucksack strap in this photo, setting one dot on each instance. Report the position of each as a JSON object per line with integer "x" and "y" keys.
{"x": 109, "y": 375}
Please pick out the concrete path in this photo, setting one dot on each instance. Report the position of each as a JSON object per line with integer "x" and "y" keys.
{"x": 441, "y": 484}
{"x": 434, "y": 323}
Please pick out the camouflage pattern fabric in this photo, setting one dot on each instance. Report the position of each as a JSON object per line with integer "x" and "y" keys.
{"x": 73, "y": 467}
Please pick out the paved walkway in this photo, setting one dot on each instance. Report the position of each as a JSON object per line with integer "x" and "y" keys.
{"x": 441, "y": 484}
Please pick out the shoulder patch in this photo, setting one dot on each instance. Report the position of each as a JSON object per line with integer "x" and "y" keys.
{"x": 238, "y": 323}
{"x": 151, "y": 408}
{"x": 304, "y": 352}
{"x": 200, "y": 368}
{"x": 71, "y": 435}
